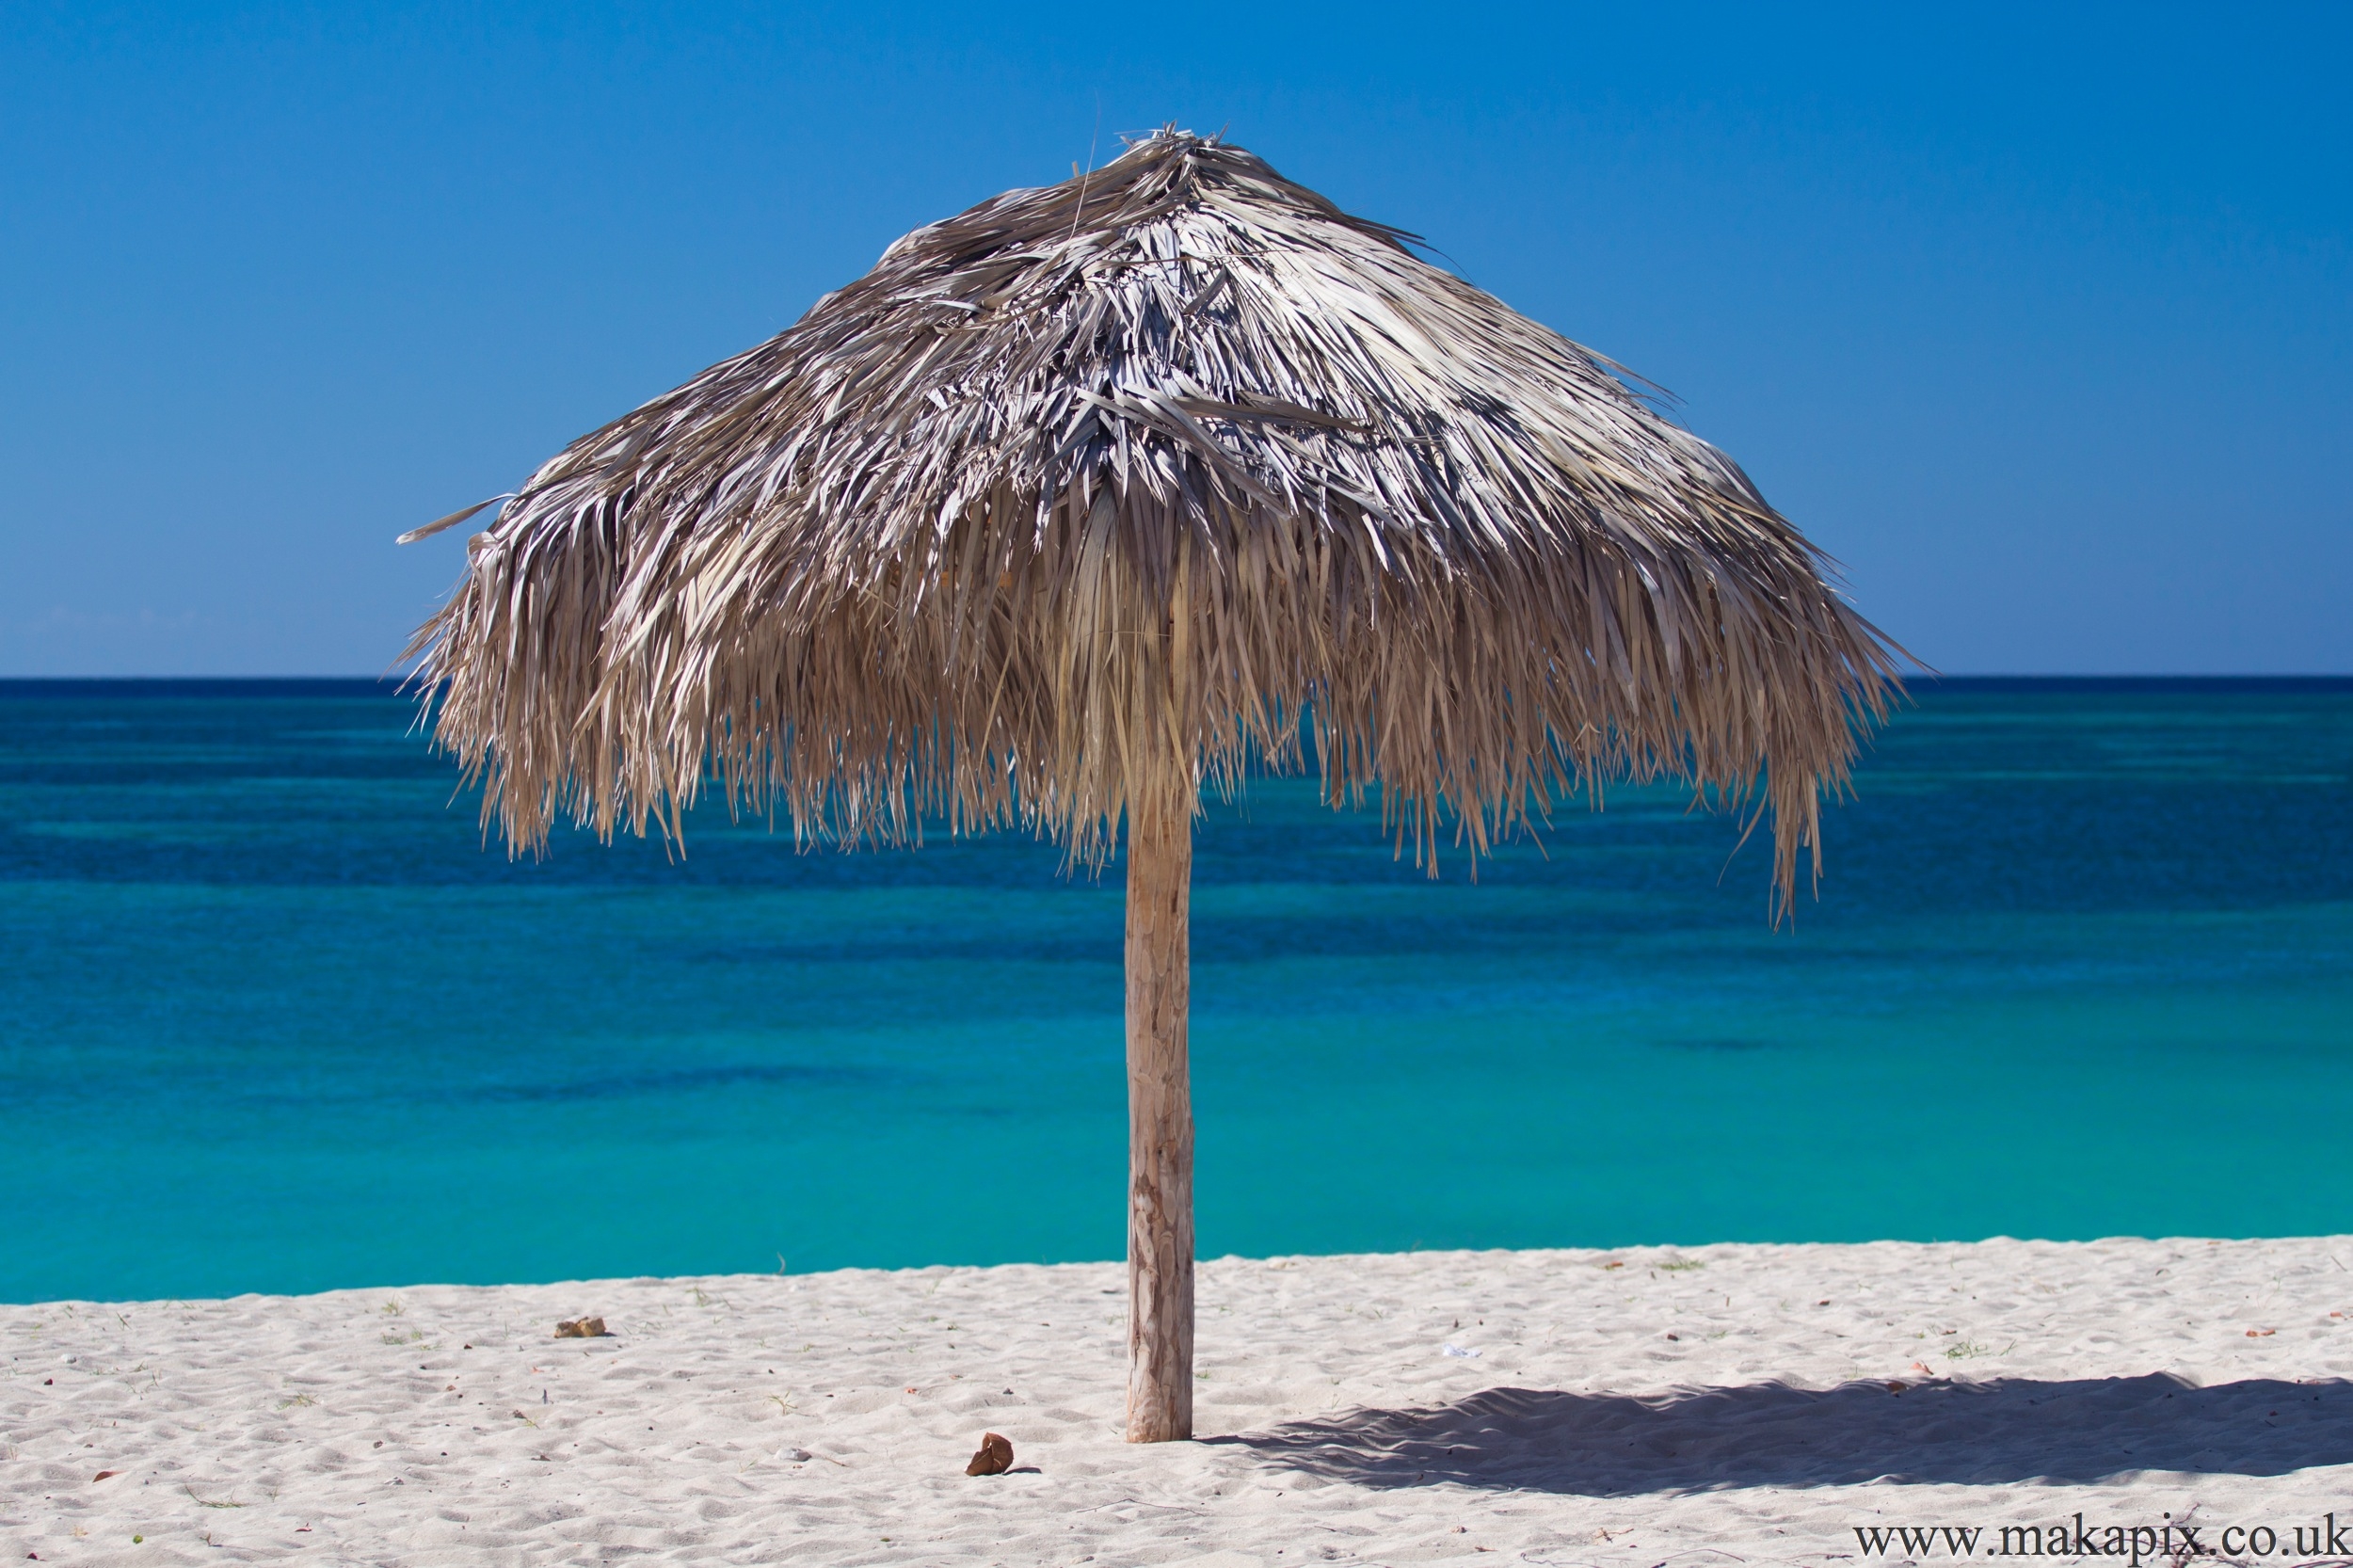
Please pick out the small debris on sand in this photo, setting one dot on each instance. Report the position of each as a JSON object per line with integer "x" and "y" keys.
{"x": 582, "y": 1328}
{"x": 995, "y": 1458}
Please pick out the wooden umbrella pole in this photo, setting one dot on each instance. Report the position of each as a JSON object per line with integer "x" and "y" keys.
{"x": 1159, "y": 1116}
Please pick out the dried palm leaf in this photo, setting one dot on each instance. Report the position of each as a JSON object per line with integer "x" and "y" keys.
{"x": 1140, "y": 467}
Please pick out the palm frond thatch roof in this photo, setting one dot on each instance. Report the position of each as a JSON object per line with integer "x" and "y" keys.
{"x": 1145, "y": 465}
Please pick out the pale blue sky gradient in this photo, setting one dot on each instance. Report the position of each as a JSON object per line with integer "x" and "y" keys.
{"x": 2039, "y": 319}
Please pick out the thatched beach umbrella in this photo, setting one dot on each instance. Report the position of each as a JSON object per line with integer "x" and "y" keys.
{"x": 1086, "y": 497}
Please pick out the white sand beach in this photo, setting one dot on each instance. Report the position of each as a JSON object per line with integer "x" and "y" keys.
{"x": 1702, "y": 1405}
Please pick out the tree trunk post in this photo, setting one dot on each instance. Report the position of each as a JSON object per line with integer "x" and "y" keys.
{"x": 1160, "y": 1115}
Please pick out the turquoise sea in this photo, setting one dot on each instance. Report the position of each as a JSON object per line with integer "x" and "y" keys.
{"x": 275, "y": 1019}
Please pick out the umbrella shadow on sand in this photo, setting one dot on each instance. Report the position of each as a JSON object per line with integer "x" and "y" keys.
{"x": 1771, "y": 1434}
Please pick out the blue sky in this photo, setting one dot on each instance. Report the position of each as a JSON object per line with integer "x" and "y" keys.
{"x": 2039, "y": 319}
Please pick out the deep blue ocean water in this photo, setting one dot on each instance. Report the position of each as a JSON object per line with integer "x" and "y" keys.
{"x": 275, "y": 1019}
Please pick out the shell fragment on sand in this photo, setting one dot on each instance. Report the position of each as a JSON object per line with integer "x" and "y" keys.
{"x": 995, "y": 1456}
